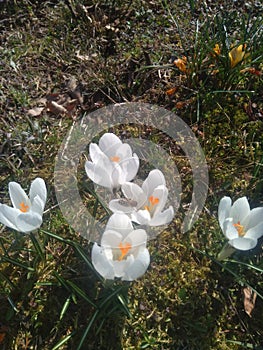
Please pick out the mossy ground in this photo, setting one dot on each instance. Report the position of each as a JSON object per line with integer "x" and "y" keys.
{"x": 115, "y": 52}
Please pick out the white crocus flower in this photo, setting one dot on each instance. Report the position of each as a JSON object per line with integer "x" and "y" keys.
{"x": 122, "y": 252}
{"x": 241, "y": 226}
{"x": 145, "y": 204}
{"x": 112, "y": 162}
{"x": 26, "y": 214}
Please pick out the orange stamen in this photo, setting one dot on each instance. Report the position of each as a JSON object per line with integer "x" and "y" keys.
{"x": 23, "y": 207}
{"x": 153, "y": 200}
{"x": 115, "y": 159}
{"x": 240, "y": 229}
{"x": 124, "y": 250}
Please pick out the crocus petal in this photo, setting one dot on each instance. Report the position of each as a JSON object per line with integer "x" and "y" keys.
{"x": 124, "y": 151}
{"x": 29, "y": 221}
{"x": 243, "y": 243}
{"x": 38, "y": 188}
{"x": 224, "y": 210}
{"x": 95, "y": 153}
{"x": 130, "y": 167}
{"x": 116, "y": 207}
{"x": 239, "y": 210}
{"x": 37, "y": 205}
{"x": 120, "y": 267}
{"x": 253, "y": 218}
{"x": 138, "y": 267}
{"x": 117, "y": 176}
{"x": 101, "y": 263}
{"x": 137, "y": 238}
{"x": 134, "y": 192}
{"x": 111, "y": 239}
{"x": 236, "y": 55}
{"x": 121, "y": 223}
{"x": 255, "y": 232}
{"x": 160, "y": 192}
{"x": 142, "y": 217}
{"x": 162, "y": 218}
{"x": 18, "y": 195}
{"x": 8, "y": 216}
{"x": 154, "y": 179}
{"x": 108, "y": 141}
{"x": 98, "y": 174}
{"x": 229, "y": 229}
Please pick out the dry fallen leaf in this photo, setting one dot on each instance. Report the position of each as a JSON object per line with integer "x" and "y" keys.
{"x": 172, "y": 91}
{"x": 249, "y": 300}
{"x": 56, "y": 108}
{"x": 36, "y": 111}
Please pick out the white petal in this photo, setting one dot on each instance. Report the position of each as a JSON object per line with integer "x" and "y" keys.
{"x": 124, "y": 151}
{"x": 224, "y": 210}
{"x": 130, "y": 167}
{"x": 111, "y": 239}
{"x": 162, "y": 218}
{"x": 142, "y": 217}
{"x": 160, "y": 192}
{"x": 18, "y": 195}
{"x": 138, "y": 267}
{"x": 108, "y": 142}
{"x": 137, "y": 238}
{"x": 243, "y": 243}
{"x": 154, "y": 179}
{"x": 27, "y": 222}
{"x": 255, "y": 232}
{"x": 95, "y": 153}
{"x": 121, "y": 223}
{"x": 101, "y": 263}
{"x": 135, "y": 193}
{"x": 117, "y": 175}
{"x": 229, "y": 229}
{"x": 98, "y": 174}
{"x": 116, "y": 206}
{"x": 8, "y": 216}
{"x": 240, "y": 209}
{"x": 38, "y": 188}
{"x": 120, "y": 267}
{"x": 254, "y": 218}
{"x": 37, "y": 205}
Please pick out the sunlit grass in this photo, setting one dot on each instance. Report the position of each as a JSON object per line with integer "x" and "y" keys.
{"x": 51, "y": 297}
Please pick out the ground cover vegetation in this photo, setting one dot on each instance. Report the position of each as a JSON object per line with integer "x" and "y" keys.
{"x": 60, "y": 60}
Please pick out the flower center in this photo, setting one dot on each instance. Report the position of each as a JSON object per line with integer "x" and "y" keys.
{"x": 124, "y": 248}
{"x": 23, "y": 207}
{"x": 240, "y": 229}
{"x": 115, "y": 159}
{"x": 152, "y": 202}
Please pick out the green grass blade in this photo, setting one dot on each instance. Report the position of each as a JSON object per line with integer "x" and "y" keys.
{"x": 81, "y": 293}
{"x": 17, "y": 263}
{"x": 64, "y": 308}
{"x": 63, "y": 341}
{"x": 93, "y": 319}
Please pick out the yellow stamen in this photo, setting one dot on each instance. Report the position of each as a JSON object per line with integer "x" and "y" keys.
{"x": 115, "y": 159}
{"x": 23, "y": 207}
{"x": 124, "y": 250}
{"x": 240, "y": 229}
